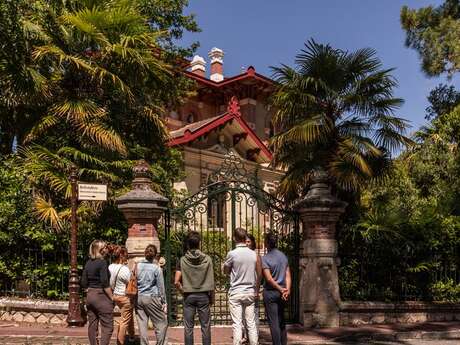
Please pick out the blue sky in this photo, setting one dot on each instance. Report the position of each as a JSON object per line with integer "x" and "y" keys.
{"x": 266, "y": 33}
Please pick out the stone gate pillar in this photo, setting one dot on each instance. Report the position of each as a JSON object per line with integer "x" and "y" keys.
{"x": 142, "y": 208}
{"x": 319, "y": 285}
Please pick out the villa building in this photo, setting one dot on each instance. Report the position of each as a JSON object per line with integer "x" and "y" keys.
{"x": 227, "y": 114}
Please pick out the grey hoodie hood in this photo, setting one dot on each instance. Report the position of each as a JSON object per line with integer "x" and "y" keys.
{"x": 197, "y": 271}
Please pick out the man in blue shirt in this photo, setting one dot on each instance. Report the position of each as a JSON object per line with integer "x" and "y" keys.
{"x": 277, "y": 289}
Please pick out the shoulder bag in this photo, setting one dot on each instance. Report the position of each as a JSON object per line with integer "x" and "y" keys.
{"x": 131, "y": 287}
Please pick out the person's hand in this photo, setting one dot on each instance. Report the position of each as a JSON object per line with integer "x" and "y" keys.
{"x": 178, "y": 286}
{"x": 165, "y": 308}
{"x": 256, "y": 295}
{"x": 285, "y": 295}
{"x": 161, "y": 261}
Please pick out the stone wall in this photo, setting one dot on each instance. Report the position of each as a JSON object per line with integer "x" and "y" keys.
{"x": 35, "y": 311}
{"x": 351, "y": 313}
{"x": 364, "y": 313}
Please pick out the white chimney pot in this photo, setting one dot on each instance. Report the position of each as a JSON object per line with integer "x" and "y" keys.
{"x": 217, "y": 61}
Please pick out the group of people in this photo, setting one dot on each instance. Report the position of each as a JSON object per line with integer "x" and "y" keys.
{"x": 107, "y": 286}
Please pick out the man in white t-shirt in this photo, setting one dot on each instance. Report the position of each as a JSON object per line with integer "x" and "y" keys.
{"x": 245, "y": 270}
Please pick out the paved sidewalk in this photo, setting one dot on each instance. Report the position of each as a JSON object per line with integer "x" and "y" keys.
{"x": 14, "y": 333}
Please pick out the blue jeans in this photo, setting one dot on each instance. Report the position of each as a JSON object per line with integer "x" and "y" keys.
{"x": 274, "y": 309}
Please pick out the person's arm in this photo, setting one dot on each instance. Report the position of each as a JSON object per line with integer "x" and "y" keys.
{"x": 212, "y": 293}
{"x": 178, "y": 280}
{"x": 84, "y": 278}
{"x": 287, "y": 292}
{"x": 108, "y": 292}
{"x": 228, "y": 263}
{"x": 268, "y": 277}
{"x": 161, "y": 285}
{"x": 105, "y": 278}
{"x": 259, "y": 274}
{"x": 125, "y": 275}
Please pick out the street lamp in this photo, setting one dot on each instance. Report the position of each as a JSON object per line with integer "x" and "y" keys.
{"x": 74, "y": 318}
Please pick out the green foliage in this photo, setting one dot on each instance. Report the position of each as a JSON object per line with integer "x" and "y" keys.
{"x": 22, "y": 87}
{"x": 443, "y": 99}
{"x": 433, "y": 32}
{"x": 100, "y": 86}
{"x": 447, "y": 291}
{"x": 335, "y": 111}
{"x": 168, "y": 15}
{"x": 16, "y": 219}
{"x": 24, "y": 242}
{"x": 82, "y": 83}
{"x": 408, "y": 229}
{"x": 216, "y": 244}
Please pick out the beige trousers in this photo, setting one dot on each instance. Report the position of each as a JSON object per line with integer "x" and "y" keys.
{"x": 126, "y": 322}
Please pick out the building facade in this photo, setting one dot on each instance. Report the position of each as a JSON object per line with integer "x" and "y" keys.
{"x": 227, "y": 116}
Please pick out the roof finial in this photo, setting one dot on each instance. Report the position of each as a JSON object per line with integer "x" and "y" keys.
{"x": 233, "y": 106}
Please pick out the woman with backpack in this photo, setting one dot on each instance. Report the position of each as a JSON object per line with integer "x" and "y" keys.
{"x": 119, "y": 278}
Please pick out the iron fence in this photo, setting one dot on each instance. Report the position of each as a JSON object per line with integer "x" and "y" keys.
{"x": 364, "y": 281}
{"x": 39, "y": 273}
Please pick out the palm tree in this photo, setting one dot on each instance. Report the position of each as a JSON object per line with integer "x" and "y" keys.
{"x": 107, "y": 90}
{"x": 100, "y": 56}
{"x": 334, "y": 111}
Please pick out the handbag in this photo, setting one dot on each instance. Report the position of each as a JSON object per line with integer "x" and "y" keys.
{"x": 131, "y": 288}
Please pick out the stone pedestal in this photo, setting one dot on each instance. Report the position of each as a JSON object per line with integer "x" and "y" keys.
{"x": 142, "y": 208}
{"x": 319, "y": 284}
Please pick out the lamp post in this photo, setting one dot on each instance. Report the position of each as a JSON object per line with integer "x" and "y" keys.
{"x": 74, "y": 318}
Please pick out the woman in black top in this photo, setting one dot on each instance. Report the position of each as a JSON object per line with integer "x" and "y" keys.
{"x": 99, "y": 303}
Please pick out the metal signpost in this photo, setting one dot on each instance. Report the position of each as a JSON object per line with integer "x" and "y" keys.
{"x": 80, "y": 191}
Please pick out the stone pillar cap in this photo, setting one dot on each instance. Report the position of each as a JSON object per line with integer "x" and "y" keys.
{"x": 141, "y": 192}
{"x": 319, "y": 195}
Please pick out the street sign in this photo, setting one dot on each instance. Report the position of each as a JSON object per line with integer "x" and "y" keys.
{"x": 92, "y": 191}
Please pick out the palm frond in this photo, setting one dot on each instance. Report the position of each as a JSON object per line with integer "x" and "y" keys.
{"x": 41, "y": 127}
{"x": 309, "y": 131}
{"x": 78, "y": 110}
{"x": 45, "y": 212}
{"x": 103, "y": 135}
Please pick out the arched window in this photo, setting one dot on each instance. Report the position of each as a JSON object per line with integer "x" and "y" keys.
{"x": 190, "y": 118}
{"x": 216, "y": 206}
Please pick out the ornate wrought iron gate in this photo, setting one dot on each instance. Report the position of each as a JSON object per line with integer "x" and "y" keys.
{"x": 232, "y": 198}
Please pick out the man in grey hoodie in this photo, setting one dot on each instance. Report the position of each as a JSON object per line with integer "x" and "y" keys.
{"x": 195, "y": 279}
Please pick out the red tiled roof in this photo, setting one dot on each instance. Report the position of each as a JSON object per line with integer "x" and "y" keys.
{"x": 192, "y": 127}
{"x": 195, "y": 130}
{"x": 249, "y": 74}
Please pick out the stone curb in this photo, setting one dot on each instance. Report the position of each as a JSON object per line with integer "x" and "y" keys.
{"x": 398, "y": 336}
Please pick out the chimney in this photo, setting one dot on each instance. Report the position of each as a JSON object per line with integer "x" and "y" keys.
{"x": 198, "y": 66}
{"x": 217, "y": 64}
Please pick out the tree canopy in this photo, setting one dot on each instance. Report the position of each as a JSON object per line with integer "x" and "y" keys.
{"x": 335, "y": 111}
{"x": 86, "y": 83}
{"x": 434, "y": 33}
